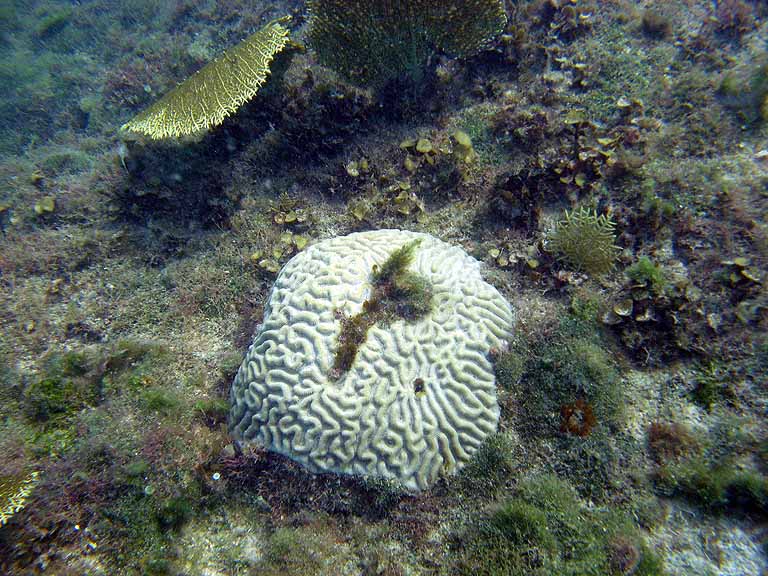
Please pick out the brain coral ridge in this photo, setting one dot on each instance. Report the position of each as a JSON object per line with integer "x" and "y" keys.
{"x": 420, "y": 396}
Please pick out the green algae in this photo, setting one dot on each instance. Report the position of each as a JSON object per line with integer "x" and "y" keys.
{"x": 490, "y": 467}
{"x": 645, "y": 272}
{"x": 716, "y": 486}
{"x": 573, "y": 364}
{"x": 568, "y": 393}
{"x": 396, "y": 294}
{"x": 544, "y": 529}
{"x": 306, "y": 550}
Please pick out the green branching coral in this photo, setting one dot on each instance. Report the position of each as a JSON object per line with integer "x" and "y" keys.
{"x": 14, "y": 491}
{"x": 215, "y": 91}
{"x": 585, "y": 241}
{"x": 370, "y": 42}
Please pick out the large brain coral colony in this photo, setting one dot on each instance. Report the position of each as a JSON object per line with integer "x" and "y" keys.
{"x": 418, "y": 396}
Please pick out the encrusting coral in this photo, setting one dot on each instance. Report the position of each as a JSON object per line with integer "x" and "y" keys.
{"x": 215, "y": 91}
{"x": 371, "y": 41}
{"x": 417, "y": 398}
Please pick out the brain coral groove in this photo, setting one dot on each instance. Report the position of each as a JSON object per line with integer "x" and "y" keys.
{"x": 374, "y": 420}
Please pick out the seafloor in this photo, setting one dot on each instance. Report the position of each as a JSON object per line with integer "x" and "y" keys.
{"x": 133, "y": 274}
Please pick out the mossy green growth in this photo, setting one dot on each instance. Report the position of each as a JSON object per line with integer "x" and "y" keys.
{"x": 173, "y": 513}
{"x": 136, "y": 470}
{"x": 307, "y": 550}
{"x": 586, "y": 306}
{"x": 159, "y": 400}
{"x": 644, "y": 271}
{"x": 396, "y": 294}
{"x": 49, "y": 397}
{"x": 490, "y": 467}
{"x": 716, "y": 486}
{"x": 9, "y": 379}
{"x": 521, "y": 523}
{"x": 132, "y": 523}
{"x": 570, "y": 366}
{"x": 378, "y": 496}
{"x": 656, "y": 209}
{"x": 157, "y": 566}
{"x": 51, "y": 24}
{"x": 568, "y": 392}
{"x": 65, "y": 386}
{"x": 130, "y": 365}
{"x": 213, "y": 409}
{"x": 545, "y": 529}
{"x": 127, "y": 353}
{"x": 711, "y": 386}
{"x": 745, "y": 91}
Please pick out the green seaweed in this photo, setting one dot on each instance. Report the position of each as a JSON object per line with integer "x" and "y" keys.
{"x": 490, "y": 466}
{"x": 173, "y": 513}
{"x": 159, "y": 400}
{"x": 716, "y": 486}
{"x": 396, "y": 294}
{"x": 645, "y": 272}
{"x": 545, "y": 529}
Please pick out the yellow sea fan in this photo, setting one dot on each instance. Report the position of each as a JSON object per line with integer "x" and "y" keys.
{"x": 14, "y": 491}
{"x": 215, "y": 91}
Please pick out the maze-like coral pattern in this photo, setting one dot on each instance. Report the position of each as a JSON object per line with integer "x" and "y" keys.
{"x": 420, "y": 396}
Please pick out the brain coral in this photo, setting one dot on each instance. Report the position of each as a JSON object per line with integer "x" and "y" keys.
{"x": 419, "y": 397}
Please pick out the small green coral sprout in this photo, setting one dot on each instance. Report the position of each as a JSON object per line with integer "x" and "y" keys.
{"x": 585, "y": 241}
{"x": 14, "y": 491}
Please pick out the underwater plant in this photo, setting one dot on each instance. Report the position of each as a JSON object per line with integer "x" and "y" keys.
{"x": 585, "y": 241}
{"x": 372, "y": 42}
{"x": 544, "y": 528}
{"x": 215, "y": 91}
